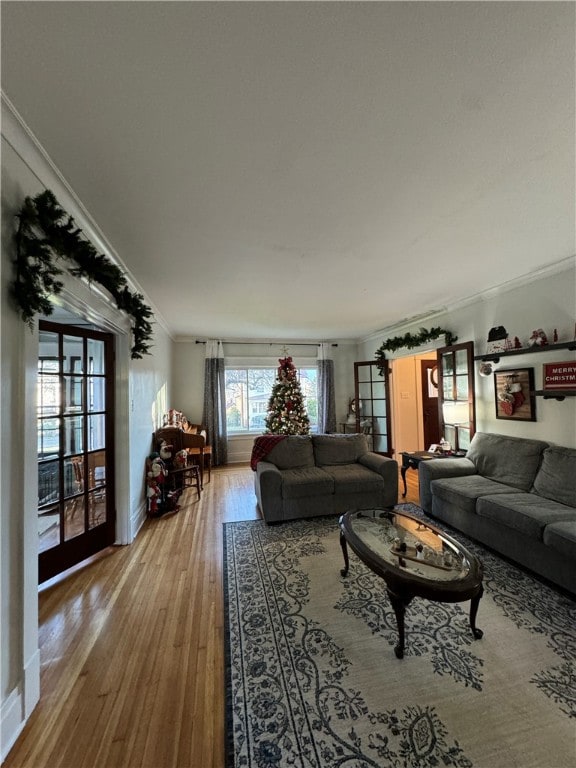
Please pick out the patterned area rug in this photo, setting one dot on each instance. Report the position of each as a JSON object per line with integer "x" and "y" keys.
{"x": 313, "y": 682}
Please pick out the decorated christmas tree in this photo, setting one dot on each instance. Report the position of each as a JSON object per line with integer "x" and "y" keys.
{"x": 286, "y": 411}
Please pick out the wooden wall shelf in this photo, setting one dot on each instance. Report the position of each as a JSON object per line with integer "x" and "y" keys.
{"x": 495, "y": 356}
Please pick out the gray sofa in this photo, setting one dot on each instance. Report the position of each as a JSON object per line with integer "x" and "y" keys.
{"x": 516, "y": 495}
{"x": 311, "y": 475}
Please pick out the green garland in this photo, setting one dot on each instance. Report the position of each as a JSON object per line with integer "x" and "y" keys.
{"x": 410, "y": 341}
{"x": 46, "y": 234}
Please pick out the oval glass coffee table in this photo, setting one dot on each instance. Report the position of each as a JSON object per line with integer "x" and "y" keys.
{"x": 415, "y": 559}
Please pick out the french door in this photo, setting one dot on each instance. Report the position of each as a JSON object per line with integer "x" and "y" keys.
{"x": 75, "y": 412}
{"x": 457, "y": 402}
{"x": 371, "y": 390}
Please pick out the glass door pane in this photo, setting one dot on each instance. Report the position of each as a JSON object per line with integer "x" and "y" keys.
{"x": 373, "y": 415}
{"x": 75, "y": 452}
{"x": 456, "y": 366}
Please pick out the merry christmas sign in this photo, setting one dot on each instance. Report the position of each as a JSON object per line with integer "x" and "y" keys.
{"x": 559, "y": 375}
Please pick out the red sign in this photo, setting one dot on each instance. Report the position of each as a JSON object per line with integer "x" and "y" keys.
{"x": 559, "y": 375}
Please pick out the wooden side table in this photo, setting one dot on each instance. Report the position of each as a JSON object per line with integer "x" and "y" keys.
{"x": 412, "y": 459}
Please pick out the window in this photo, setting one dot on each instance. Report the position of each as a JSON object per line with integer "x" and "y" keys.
{"x": 248, "y": 391}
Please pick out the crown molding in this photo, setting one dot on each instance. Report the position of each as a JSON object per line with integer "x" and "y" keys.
{"x": 563, "y": 265}
{"x": 187, "y": 339}
{"x": 29, "y": 149}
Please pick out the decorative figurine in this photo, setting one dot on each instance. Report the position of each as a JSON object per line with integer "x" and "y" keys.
{"x": 538, "y": 338}
{"x": 497, "y": 339}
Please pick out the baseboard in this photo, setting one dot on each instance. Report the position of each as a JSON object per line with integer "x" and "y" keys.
{"x": 138, "y": 520}
{"x": 18, "y": 706}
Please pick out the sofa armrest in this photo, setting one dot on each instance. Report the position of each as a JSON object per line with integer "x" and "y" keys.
{"x": 434, "y": 469}
{"x": 388, "y": 469}
{"x": 268, "y": 488}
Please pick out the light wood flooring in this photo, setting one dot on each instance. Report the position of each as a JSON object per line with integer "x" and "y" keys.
{"x": 132, "y": 646}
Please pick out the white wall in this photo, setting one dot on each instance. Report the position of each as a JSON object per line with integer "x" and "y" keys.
{"x": 142, "y": 389}
{"x": 546, "y": 300}
{"x": 188, "y": 379}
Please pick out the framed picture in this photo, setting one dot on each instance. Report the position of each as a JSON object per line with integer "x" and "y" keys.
{"x": 513, "y": 391}
{"x": 561, "y": 375}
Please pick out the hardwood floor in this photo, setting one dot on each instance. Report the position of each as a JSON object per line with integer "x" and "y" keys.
{"x": 132, "y": 646}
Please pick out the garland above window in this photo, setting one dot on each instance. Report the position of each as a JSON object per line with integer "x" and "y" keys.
{"x": 46, "y": 234}
{"x": 410, "y": 341}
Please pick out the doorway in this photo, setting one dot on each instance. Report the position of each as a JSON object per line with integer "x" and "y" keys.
{"x": 419, "y": 385}
{"x": 429, "y": 389}
{"x": 75, "y": 425}
{"x": 414, "y": 393}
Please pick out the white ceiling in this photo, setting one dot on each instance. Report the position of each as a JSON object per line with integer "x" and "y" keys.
{"x": 307, "y": 170}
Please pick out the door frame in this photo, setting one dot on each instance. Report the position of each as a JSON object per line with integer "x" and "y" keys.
{"x": 396, "y": 395}
{"x": 71, "y": 551}
{"x": 431, "y": 433}
{"x": 411, "y": 436}
{"x": 94, "y": 307}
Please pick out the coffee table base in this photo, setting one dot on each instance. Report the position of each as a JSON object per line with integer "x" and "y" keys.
{"x": 400, "y": 602}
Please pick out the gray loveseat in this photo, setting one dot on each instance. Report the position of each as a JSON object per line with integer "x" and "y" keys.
{"x": 516, "y": 495}
{"x": 311, "y": 475}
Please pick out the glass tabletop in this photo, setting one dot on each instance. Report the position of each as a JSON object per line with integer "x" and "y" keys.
{"x": 408, "y": 543}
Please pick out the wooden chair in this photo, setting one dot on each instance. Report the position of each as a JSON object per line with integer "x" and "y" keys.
{"x": 172, "y": 436}
{"x": 96, "y": 495}
{"x": 199, "y": 429}
{"x": 195, "y": 444}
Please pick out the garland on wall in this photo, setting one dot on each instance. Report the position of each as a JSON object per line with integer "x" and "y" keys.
{"x": 46, "y": 235}
{"x": 410, "y": 341}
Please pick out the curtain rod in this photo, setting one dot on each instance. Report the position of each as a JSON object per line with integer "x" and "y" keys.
{"x": 271, "y": 343}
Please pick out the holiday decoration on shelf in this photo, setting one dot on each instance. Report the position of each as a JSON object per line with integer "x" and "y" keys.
{"x": 286, "y": 411}
{"x": 46, "y": 238}
{"x": 538, "y": 338}
{"x": 410, "y": 341}
{"x": 498, "y": 340}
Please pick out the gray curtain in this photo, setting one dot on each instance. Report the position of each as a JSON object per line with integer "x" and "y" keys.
{"x": 326, "y": 399}
{"x": 214, "y": 414}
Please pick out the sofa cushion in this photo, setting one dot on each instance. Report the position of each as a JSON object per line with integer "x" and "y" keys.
{"x": 556, "y": 478}
{"x": 509, "y": 460}
{"x": 294, "y": 451}
{"x": 562, "y": 537}
{"x": 462, "y": 492}
{"x": 338, "y": 449}
{"x": 353, "y": 478}
{"x": 524, "y": 512}
{"x": 306, "y": 481}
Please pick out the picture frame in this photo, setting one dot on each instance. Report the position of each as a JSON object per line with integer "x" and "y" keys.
{"x": 514, "y": 394}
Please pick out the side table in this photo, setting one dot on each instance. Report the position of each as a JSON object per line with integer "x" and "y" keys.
{"x": 412, "y": 459}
